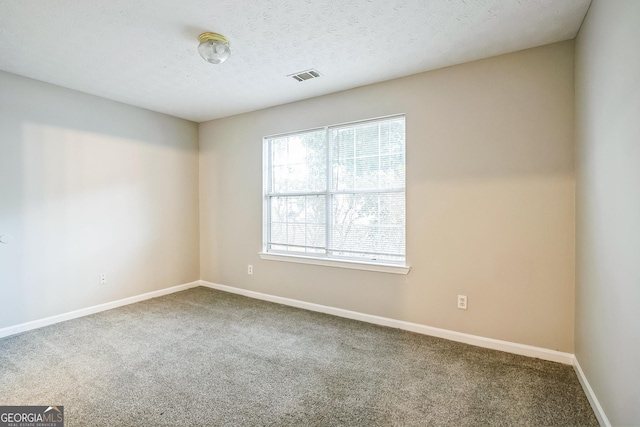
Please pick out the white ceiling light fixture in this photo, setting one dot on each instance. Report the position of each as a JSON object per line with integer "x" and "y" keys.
{"x": 214, "y": 47}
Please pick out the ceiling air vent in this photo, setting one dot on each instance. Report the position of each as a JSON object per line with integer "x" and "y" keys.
{"x": 305, "y": 75}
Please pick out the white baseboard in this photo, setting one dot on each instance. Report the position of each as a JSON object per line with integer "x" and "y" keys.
{"x": 509, "y": 347}
{"x": 593, "y": 400}
{"x": 23, "y": 327}
{"x": 506, "y": 346}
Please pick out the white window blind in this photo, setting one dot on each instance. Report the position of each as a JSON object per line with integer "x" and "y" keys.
{"x": 337, "y": 192}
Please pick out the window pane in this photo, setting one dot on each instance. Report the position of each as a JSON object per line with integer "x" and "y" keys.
{"x": 367, "y": 172}
{"x": 298, "y": 163}
{"x": 298, "y": 222}
{"x": 392, "y": 171}
{"x": 368, "y": 156}
{"x": 370, "y": 226}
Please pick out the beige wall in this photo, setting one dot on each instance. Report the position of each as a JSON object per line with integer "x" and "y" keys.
{"x": 608, "y": 206}
{"x": 490, "y": 199}
{"x": 90, "y": 186}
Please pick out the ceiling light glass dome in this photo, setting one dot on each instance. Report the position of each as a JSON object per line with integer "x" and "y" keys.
{"x": 214, "y": 48}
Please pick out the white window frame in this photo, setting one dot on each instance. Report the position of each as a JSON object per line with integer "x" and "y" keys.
{"x": 324, "y": 259}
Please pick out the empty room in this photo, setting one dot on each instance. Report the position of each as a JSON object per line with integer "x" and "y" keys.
{"x": 324, "y": 213}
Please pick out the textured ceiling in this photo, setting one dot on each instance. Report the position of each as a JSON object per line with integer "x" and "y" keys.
{"x": 144, "y": 52}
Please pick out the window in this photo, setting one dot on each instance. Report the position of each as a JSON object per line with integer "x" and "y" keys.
{"x": 337, "y": 193}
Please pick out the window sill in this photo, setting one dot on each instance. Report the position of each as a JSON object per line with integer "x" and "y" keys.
{"x": 356, "y": 265}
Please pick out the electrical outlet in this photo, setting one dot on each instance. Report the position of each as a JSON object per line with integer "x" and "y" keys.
{"x": 103, "y": 278}
{"x": 462, "y": 302}
{"x": 250, "y": 269}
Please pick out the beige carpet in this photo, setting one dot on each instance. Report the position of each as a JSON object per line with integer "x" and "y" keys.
{"x": 208, "y": 358}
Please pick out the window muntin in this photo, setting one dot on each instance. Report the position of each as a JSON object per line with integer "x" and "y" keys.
{"x": 355, "y": 212}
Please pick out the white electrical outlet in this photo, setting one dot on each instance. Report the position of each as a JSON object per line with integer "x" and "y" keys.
{"x": 462, "y": 302}
{"x": 103, "y": 278}
{"x": 250, "y": 269}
